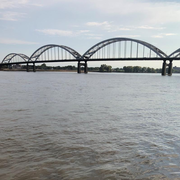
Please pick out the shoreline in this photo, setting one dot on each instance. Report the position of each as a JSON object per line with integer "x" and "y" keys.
{"x": 38, "y": 70}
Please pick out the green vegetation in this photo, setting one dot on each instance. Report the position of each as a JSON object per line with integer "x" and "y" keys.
{"x": 102, "y": 68}
{"x": 44, "y": 67}
{"x": 105, "y": 68}
{"x": 139, "y": 69}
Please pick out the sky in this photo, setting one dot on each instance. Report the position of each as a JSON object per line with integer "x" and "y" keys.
{"x": 26, "y": 25}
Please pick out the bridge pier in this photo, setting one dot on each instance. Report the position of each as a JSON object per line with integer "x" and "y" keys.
{"x": 79, "y": 67}
{"x": 9, "y": 66}
{"x": 34, "y": 67}
{"x": 85, "y": 67}
{"x": 164, "y": 68}
{"x": 169, "y": 68}
{"x": 27, "y": 68}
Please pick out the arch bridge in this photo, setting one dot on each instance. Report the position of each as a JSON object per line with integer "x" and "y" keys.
{"x": 114, "y": 49}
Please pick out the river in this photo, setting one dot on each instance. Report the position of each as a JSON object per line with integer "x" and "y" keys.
{"x": 69, "y": 126}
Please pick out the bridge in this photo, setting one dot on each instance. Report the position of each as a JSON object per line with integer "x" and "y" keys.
{"x": 114, "y": 49}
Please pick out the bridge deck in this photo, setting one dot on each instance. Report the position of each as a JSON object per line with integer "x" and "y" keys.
{"x": 97, "y": 59}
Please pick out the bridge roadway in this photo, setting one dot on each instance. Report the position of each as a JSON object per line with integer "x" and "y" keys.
{"x": 115, "y": 49}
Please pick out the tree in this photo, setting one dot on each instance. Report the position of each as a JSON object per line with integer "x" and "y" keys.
{"x": 105, "y": 68}
{"x": 109, "y": 68}
{"x": 43, "y": 66}
{"x": 144, "y": 69}
{"x": 128, "y": 69}
{"x": 137, "y": 69}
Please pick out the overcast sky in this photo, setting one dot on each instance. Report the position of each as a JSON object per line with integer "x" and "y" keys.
{"x": 26, "y": 25}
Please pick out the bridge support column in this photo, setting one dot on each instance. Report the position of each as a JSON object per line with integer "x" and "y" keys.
{"x": 79, "y": 67}
{"x": 85, "y": 67}
{"x": 34, "y": 67}
{"x": 27, "y": 67}
{"x": 164, "y": 68}
{"x": 170, "y": 69}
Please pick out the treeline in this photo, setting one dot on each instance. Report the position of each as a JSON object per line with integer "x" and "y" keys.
{"x": 129, "y": 69}
{"x": 45, "y": 67}
{"x": 139, "y": 69}
{"x": 102, "y": 68}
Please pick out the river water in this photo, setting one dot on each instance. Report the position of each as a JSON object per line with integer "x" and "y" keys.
{"x": 69, "y": 126}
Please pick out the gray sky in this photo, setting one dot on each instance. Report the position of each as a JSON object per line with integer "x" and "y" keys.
{"x": 26, "y": 25}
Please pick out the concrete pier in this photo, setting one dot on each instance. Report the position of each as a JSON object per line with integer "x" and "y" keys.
{"x": 27, "y": 68}
{"x": 84, "y": 65}
{"x": 34, "y": 67}
{"x": 169, "y": 73}
{"x": 164, "y": 68}
{"x": 170, "y": 68}
{"x": 79, "y": 67}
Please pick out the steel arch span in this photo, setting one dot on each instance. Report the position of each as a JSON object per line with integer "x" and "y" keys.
{"x": 175, "y": 54}
{"x": 53, "y": 53}
{"x": 15, "y": 58}
{"x": 118, "y": 49}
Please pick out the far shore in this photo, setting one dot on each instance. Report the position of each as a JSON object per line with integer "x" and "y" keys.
{"x": 61, "y": 70}
{"x": 39, "y": 70}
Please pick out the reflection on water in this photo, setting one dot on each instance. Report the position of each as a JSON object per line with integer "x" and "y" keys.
{"x": 89, "y": 126}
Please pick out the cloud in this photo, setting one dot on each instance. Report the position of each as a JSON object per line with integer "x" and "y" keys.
{"x": 11, "y": 4}
{"x": 124, "y": 29}
{"x": 129, "y": 36}
{"x": 83, "y": 31}
{"x": 134, "y": 11}
{"x": 140, "y": 10}
{"x": 157, "y": 36}
{"x": 56, "y": 32}
{"x": 116, "y": 29}
{"x": 68, "y": 33}
{"x": 170, "y": 34}
{"x": 15, "y": 41}
{"x": 7, "y": 4}
{"x": 11, "y": 16}
{"x": 109, "y": 26}
{"x": 162, "y": 35}
{"x": 79, "y": 33}
{"x": 93, "y": 36}
{"x": 105, "y": 23}
{"x": 150, "y": 27}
